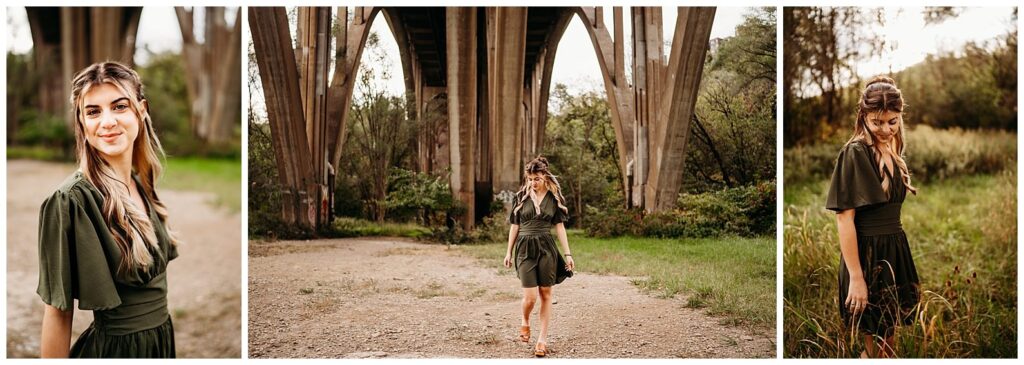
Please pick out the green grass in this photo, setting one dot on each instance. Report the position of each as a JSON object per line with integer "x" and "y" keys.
{"x": 221, "y": 177}
{"x": 962, "y": 232}
{"x": 353, "y": 227}
{"x": 42, "y": 153}
{"x": 732, "y": 277}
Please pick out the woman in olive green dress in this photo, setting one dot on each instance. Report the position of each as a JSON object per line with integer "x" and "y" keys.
{"x": 538, "y": 207}
{"x": 102, "y": 239}
{"x": 878, "y": 283}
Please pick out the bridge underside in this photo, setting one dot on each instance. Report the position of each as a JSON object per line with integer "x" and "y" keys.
{"x": 480, "y": 80}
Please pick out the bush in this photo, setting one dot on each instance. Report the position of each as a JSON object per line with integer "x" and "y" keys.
{"x": 742, "y": 211}
{"x": 611, "y": 222}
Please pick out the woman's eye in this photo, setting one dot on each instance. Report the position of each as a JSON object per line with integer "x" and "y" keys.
{"x": 120, "y": 107}
{"x": 91, "y": 112}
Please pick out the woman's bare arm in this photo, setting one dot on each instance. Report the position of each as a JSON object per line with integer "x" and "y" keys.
{"x": 56, "y": 337}
{"x": 563, "y": 239}
{"x": 513, "y": 232}
{"x": 848, "y": 247}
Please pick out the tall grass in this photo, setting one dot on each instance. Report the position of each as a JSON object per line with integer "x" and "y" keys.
{"x": 732, "y": 277}
{"x": 962, "y": 231}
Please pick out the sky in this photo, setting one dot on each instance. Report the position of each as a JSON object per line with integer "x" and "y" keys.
{"x": 913, "y": 40}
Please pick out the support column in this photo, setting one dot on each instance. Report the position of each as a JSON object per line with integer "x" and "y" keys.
{"x": 312, "y": 56}
{"x": 279, "y": 74}
{"x": 675, "y": 109}
{"x": 647, "y": 66}
{"x": 610, "y": 57}
{"x": 508, "y": 30}
{"x": 461, "y": 25}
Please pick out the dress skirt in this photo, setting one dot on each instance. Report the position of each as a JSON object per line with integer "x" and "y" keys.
{"x": 96, "y": 342}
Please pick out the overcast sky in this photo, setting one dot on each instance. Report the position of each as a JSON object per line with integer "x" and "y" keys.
{"x": 913, "y": 40}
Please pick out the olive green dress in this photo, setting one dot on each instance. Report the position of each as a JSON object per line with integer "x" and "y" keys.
{"x": 78, "y": 259}
{"x": 882, "y": 246}
{"x": 537, "y": 260}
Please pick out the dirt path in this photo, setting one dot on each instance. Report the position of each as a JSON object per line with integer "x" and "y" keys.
{"x": 204, "y": 282}
{"x": 369, "y": 298}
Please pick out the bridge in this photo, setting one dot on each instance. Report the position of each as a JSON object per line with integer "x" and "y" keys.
{"x": 492, "y": 67}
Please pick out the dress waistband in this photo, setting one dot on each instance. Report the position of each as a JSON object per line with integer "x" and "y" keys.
{"x": 535, "y": 229}
{"x": 124, "y": 319}
{"x": 879, "y": 220}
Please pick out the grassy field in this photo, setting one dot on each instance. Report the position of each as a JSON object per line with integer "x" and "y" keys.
{"x": 733, "y": 278}
{"x": 222, "y": 177}
{"x": 963, "y": 234}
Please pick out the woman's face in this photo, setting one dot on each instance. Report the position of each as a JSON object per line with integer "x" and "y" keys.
{"x": 111, "y": 124}
{"x": 536, "y": 181}
{"x": 883, "y": 125}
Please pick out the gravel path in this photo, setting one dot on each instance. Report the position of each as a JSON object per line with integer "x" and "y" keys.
{"x": 373, "y": 298}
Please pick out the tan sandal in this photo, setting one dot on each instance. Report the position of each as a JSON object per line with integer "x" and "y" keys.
{"x": 541, "y": 350}
{"x": 524, "y": 333}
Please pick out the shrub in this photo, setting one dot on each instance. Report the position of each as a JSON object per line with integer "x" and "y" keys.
{"x": 611, "y": 222}
{"x": 741, "y": 211}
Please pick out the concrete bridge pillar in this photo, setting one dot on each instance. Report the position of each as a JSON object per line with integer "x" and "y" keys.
{"x": 461, "y": 48}
{"x": 506, "y": 28}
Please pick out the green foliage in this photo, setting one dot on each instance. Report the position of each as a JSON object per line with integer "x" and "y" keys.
{"x": 743, "y": 211}
{"x": 44, "y": 130}
{"x": 931, "y": 154}
{"x": 965, "y": 249}
{"x": 427, "y": 197}
{"x": 973, "y": 88}
{"x": 734, "y": 278}
{"x": 580, "y": 145}
{"x": 732, "y": 140}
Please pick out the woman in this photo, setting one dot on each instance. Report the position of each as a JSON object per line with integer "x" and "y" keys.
{"x": 538, "y": 206}
{"x": 102, "y": 238}
{"x": 878, "y": 284}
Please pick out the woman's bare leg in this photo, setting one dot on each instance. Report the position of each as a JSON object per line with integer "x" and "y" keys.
{"x": 889, "y": 347}
{"x": 545, "y": 313}
{"x": 529, "y": 299}
{"x": 870, "y": 347}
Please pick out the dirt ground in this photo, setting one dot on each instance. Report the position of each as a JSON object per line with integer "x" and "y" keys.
{"x": 204, "y": 282}
{"x": 376, "y": 298}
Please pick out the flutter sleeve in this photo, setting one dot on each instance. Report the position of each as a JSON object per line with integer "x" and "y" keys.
{"x": 72, "y": 263}
{"x": 559, "y": 216}
{"x": 855, "y": 181}
{"x": 513, "y": 216}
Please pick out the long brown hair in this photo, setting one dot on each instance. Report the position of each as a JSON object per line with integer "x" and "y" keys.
{"x": 539, "y": 165}
{"x": 131, "y": 228}
{"x": 882, "y": 95}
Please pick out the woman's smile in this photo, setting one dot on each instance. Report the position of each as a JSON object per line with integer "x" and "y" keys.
{"x": 111, "y": 138}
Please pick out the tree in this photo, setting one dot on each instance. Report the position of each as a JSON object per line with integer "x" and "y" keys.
{"x": 381, "y": 134}
{"x": 821, "y": 46}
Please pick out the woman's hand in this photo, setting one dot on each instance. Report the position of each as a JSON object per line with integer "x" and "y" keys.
{"x": 857, "y": 298}
{"x": 508, "y": 259}
{"x": 569, "y": 264}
